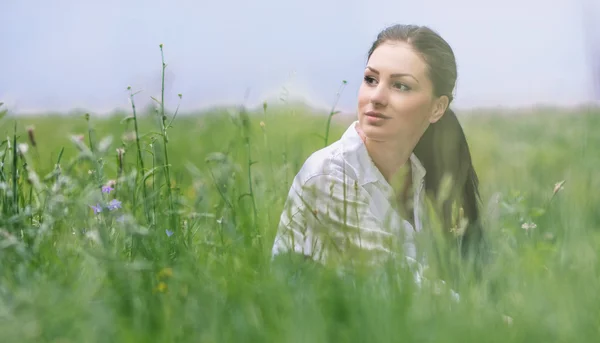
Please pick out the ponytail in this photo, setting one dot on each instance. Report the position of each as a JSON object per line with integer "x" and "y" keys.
{"x": 443, "y": 150}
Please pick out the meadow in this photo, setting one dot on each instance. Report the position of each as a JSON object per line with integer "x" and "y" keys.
{"x": 164, "y": 235}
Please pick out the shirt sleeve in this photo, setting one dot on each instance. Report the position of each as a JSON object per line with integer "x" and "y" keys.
{"x": 329, "y": 217}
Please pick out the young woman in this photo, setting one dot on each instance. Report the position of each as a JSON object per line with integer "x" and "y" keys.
{"x": 366, "y": 192}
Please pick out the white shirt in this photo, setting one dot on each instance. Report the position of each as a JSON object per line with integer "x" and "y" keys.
{"x": 312, "y": 222}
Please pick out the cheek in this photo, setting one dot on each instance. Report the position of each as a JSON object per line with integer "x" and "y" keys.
{"x": 363, "y": 96}
{"x": 414, "y": 108}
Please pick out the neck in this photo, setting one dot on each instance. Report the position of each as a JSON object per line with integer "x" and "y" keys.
{"x": 390, "y": 157}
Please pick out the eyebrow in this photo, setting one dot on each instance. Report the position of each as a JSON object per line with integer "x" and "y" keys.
{"x": 393, "y": 75}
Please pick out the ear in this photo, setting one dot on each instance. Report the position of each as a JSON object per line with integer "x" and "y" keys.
{"x": 439, "y": 108}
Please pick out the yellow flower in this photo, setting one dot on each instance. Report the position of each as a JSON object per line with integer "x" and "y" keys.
{"x": 161, "y": 287}
{"x": 165, "y": 273}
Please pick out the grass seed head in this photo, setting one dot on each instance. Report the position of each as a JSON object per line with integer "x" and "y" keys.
{"x": 31, "y": 134}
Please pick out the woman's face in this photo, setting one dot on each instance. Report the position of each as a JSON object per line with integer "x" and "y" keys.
{"x": 396, "y": 100}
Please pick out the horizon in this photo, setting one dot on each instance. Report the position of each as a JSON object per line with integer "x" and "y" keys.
{"x": 307, "y": 109}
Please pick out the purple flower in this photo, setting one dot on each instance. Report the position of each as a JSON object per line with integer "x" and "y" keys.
{"x": 97, "y": 209}
{"x": 114, "y": 204}
{"x": 169, "y": 232}
{"x": 107, "y": 189}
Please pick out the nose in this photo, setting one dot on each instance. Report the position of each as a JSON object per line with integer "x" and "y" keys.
{"x": 379, "y": 95}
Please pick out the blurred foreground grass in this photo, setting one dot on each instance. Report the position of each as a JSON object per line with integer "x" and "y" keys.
{"x": 195, "y": 266}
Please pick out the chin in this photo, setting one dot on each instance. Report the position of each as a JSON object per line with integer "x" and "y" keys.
{"x": 375, "y": 131}
{"x": 370, "y": 130}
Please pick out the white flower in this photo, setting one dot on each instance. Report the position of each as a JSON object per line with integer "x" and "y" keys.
{"x": 22, "y": 148}
{"x": 528, "y": 226}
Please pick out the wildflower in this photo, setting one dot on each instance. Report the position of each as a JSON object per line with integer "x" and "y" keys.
{"x": 169, "y": 232}
{"x": 107, "y": 189}
{"x": 22, "y": 148}
{"x": 161, "y": 287}
{"x": 165, "y": 273}
{"x": 114, "y": 204}
{"x": 97, "y": 209}
{"x": 528, "y": 226}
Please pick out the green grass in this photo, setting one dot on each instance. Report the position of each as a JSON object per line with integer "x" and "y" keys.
{"x": 70, "y": 275}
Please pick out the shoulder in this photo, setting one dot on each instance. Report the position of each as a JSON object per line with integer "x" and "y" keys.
{"x": 328, "y": 163}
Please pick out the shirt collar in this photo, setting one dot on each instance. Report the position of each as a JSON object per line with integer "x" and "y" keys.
{"x": 355, "y": 152}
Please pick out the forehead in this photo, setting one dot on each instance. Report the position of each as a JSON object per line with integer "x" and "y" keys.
{"x": 397, "y": 57}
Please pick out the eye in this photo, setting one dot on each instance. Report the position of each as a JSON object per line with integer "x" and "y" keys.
{"x": 402, "y": 87}
{"x": 369, "y": 80}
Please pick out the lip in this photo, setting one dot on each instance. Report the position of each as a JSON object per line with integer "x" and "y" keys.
{"x": 376, "y": 115}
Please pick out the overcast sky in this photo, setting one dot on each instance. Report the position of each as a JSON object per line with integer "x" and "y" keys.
{"x": 61, "y": 54}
